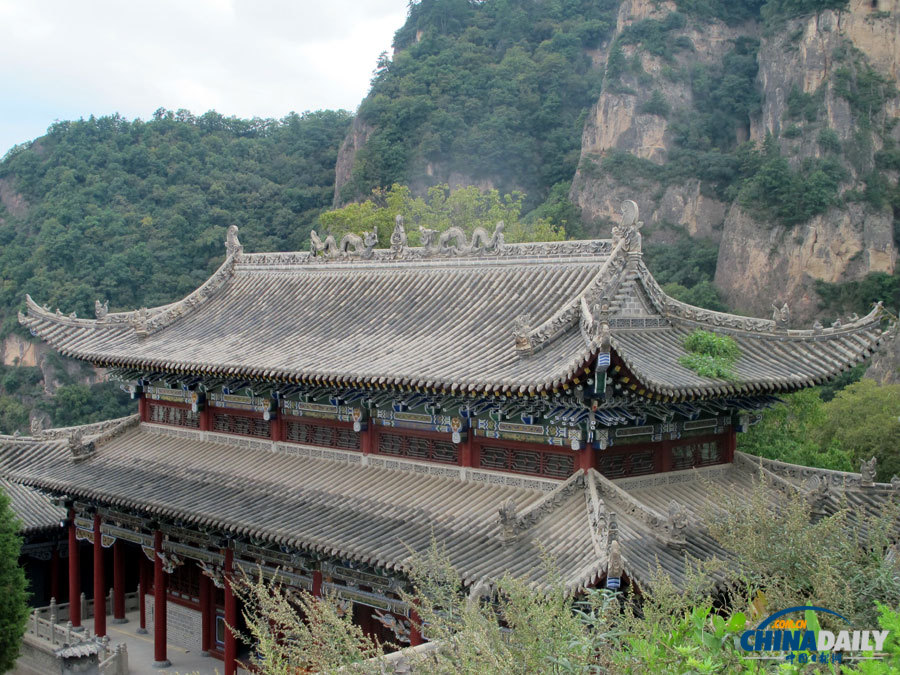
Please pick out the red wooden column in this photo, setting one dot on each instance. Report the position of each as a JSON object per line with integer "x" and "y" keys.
{"x": 415, "y": 629}
{"x": 230, "y": 617}
{"x": 665, "y": 456}
{"x": 731, "y": 445}
{"x": 368, "y": 438}
{"x": 466, "y": 453}
{"x": 586, "y": 457}
{"x": 143, "y": 410}
{"x": 74, "y": 575}
{"x": 159, "y": 606}
{"x": 205, "y": 621}
{"x": 144, "y": 581}
{"x": 276, "y": 427}
{"x": 99, "y": 581}
{"x": 54, "y": 573}
{"x": 205, "y": 418}
{"x": 317, "y": 584}
{"x": 118, "y": 583}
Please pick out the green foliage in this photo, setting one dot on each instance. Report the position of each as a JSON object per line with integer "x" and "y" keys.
{"x": 298, "y": 632}
{"x": 864, "y": 88}
{"x": 441, "y": 208}
{"x": 705, "y": 136}
{"x": 710, "y": 355}
{"x": 14, "y": 607}
{"x": 703, "y": 294}
{"x": 889, "y": 620}
{"x": 771, "y": 190}
{"x": 828, "y": 390}
{"x": 803, "y": 105}
{"x": 687, "y": 261}
{"x": 13, "y": 414}
{"x": 685, "y": 270}
{"x": 724, "y": 99}
{"x": 793, "y": 131}
{"x": 864, "y": 418}
{"x": 694, "y": 640}
{"x": 859, "y": 295}
{"x": 829, "y": 141}
{"x": 656, "y": 105}
{"x": 653, "y": 35}
{"x": 859, "y": 421}
{"x": 731, "y": 12}
{"x": 492, "y": 90}
{"x": 782, "y": 557}
{"x": 778, "y": 11}
{"x": 795, "y": 559}
{"x": 20, "y": 379}
{"x": 136, "y": 212}
{"x": 786, "y": 433}
{"x": 81, "y": 404}
{"x": 559, "y": 210}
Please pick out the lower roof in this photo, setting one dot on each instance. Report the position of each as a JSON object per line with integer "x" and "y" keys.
{"x": 378, "y": 511}
{"x": 34, "y": 509}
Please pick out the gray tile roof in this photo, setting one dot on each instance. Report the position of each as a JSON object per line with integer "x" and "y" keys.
{"x": 32, "y": 507}
{"x": 377, "y": 510}
{"x": 522, "y": 318}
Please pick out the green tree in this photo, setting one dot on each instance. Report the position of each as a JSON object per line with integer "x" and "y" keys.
{"x": 864, "y": 418}
{"x": 440, "y": 209}
{"x": 787, "y": 432}
{"x": 14, "y": 607}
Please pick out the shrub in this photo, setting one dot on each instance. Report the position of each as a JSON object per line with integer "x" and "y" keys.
{"x": 829, "y": 141}
{"x": 710, "y": 355}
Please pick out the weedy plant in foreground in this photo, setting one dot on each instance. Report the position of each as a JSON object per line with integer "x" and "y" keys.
{"x": 784, "y": 555}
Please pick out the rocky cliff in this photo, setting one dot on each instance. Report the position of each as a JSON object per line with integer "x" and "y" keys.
{"x": 622, "y": 121}
{"x": 824, "y": 85}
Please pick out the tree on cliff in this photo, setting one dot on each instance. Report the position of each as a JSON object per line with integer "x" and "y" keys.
{"x": 13, "y": 607}
{"x": 440, "y": 209}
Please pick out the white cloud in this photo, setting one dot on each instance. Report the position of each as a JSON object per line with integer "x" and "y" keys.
{"x": 60, "y": 59}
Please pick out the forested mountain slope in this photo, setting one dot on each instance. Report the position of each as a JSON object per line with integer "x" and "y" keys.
{"x": 135, "y": 213}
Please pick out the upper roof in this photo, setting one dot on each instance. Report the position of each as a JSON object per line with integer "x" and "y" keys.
{"x": 475, "y": 315}
{"x": 379, "y": 510}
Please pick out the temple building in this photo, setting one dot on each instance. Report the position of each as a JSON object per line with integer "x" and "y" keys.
{"x": 321, "y": 415}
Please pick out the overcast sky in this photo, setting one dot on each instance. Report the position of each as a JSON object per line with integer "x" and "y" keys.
{"x": 63, "y": 60}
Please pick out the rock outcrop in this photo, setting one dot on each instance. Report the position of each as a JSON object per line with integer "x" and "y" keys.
{"x": 760, "y": 261}
{"x": 760, "y": 264}
{"x": 354, "y": 141}
{"x": 617, "y": 122}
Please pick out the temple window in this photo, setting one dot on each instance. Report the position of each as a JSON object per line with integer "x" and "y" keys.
{"x": 326, "y": 435}
{"x": 622, "y": 465}
{"x": 528, "y": 460}
{"x": 243, "y": 425}
{"x": 428, "y": 448}
{"x": 698, "y": 453}
{"x": 175, "y": 416}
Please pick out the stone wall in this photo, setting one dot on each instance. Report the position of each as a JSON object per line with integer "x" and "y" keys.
{"x": 184, "y": 625}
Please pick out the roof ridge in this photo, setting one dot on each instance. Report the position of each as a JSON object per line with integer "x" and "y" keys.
{"x": 143, "y": 321}
{"x": 786, "y": 470}
{"x": 98, "y": 429}
{"x": 666, "y": 528}
{"x": 671, "y": 308}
